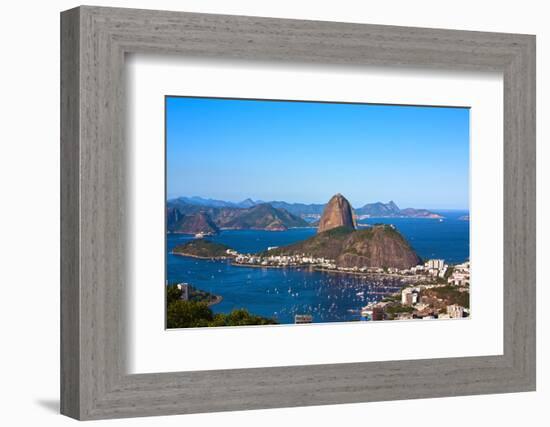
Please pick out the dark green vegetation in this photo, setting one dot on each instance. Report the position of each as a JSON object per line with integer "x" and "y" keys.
{"x": 392, "y": 298}
{"x": 377, "y": 246}
{"x": 202, "y": 248}
{"x": 450, "y": 295}
{"x": 186, "y": 314}
{"x": 258, "y": 217}
{"x": 398, "y": 308}
{"x": 173, "y": 294}
{"x": 195, "y": 312}
{"x": 327, "y": 244}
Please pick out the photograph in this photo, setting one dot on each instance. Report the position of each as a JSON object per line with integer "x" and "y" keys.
{"x": 291, "y": 212}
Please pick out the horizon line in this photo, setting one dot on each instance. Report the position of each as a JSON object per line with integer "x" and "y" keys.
{"x": 259, "y": 201}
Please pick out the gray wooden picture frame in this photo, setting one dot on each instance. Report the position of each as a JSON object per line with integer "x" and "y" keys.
{"x": 94, "y": 382}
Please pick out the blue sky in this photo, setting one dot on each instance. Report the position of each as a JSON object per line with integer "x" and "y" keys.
{"x": 306, "y": 152}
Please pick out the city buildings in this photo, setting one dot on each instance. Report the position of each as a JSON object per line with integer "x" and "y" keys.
{"x": 416, "y": 301}
{"x": 410, "y": 296}
{"x": 455, "y": 311}
{"x": 460, "y": 275}
{"x": 435, "y": 263}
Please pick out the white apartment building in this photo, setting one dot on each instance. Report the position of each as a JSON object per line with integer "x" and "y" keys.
{"x": 455, "y": 311}
{"x": 410, "y": 296}
{"x": 435, "y": 264}
{"x": 459, "y": 279}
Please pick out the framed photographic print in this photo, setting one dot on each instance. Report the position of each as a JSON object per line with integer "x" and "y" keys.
{"x": 262, "y": 213}
{"x": 256, "y": 245}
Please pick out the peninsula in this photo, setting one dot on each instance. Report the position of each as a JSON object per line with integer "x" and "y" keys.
{"x": 379, "y": 246}
{"x": 204, "y": 249}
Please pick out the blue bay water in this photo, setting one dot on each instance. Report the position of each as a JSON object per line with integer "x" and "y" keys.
{"x": 282, "y": 293}
{"x": 431, "y": 238}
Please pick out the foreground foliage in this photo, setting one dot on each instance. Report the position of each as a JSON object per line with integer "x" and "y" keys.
{"x": 173, "y": 293}
{"x": 195, "y": 313}
{"x": 190, "y": 314}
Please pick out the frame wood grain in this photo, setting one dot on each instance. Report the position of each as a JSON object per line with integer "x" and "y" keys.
{"x": 94, "y": 41}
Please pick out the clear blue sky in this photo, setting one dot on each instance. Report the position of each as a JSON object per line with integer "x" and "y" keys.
{"x": 306, "y": 152}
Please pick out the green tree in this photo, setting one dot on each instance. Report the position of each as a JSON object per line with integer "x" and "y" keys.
{"x": 219, "y": 320}
{"x": 173, "y": 294}
{"x": 240, "y": 317}
{"x": 188, "y": 314}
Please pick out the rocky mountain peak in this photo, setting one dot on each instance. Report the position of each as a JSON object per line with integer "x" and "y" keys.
{"x": 337, "y": 213}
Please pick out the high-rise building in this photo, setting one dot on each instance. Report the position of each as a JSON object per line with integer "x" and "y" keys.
{"x": 184, "y": 288}
{"x": 435, "y": 263}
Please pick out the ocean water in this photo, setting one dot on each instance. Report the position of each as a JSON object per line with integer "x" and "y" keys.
{"x": 282, "y": 293}
{"x": 431, "y": 238}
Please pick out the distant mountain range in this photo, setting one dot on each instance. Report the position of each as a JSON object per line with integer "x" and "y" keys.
{"x": 191, "y": 223}
{"x": 313, "y": 210}
{"x": 213, "y": 203}
{"x": 183, "y": 217}
{"x": 379, "y": 209}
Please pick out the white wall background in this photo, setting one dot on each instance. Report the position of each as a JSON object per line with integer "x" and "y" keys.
{"x": 29, "y": 216}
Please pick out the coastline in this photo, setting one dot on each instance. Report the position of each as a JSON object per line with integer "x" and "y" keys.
{"x": 403, "y": 217}
{"x": 236, "y": 264}
{"x": 239, "y": 229}
{"x": 310, "y": 226}
{"x": 371, "y": 274}
{"x": 220, "y": 258}
{"x": 217, "y": 300}
{"x": 191, "y": 234}
{"x": 413, "y": 278}
{"x": 263, "y": 229}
